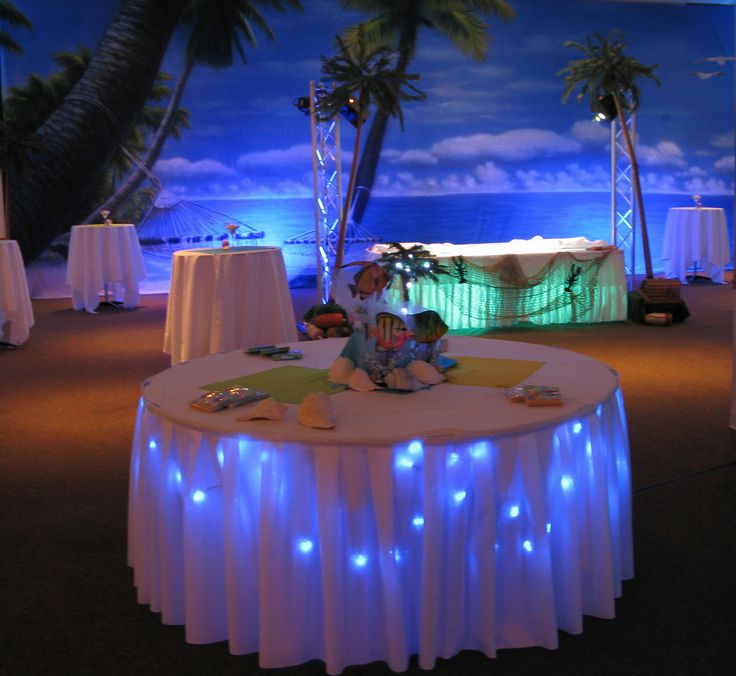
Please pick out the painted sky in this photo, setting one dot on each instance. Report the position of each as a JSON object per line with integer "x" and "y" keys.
{"x": 498, "y": 126}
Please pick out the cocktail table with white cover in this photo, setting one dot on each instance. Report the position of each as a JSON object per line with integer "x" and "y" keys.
{"x": 695, "y": 235}
{"x": 424, "y": 523}
{"x": 104, "y": 259}
{"x": 226, "y": 299}
{"x": 16, "y": 312}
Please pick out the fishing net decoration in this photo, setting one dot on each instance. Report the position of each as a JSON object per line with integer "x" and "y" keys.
{"x": 502, "y": 291}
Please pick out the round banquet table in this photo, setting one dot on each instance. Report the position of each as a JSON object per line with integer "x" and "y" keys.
{"x": 16, "y": 312}
{"x": 226, "y": 299}
{"x": 104, "y": 259}
{"x": 695, "y": 237}
{"x": 424, "y": 523}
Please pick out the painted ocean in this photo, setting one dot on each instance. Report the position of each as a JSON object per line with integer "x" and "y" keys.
{"x": 463, "y": 219}
{"x": 460, "y": 219}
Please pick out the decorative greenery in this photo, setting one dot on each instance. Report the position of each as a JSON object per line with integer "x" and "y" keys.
{"x": 409, "y": 265}
{"x": 362, "y": 76}
{"x": 216, "y": 31}
{"x": 606, "y": 72}
{"x": 397, "y": 25}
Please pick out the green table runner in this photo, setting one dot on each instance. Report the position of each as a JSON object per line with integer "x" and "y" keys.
{"x": 289, "y": 384}
{"x": 487, "y": 372}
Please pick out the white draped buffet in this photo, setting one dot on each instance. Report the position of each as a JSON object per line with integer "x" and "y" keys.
{"x": 599, "y": 296}
{"x": 427, "y": 523}
{"x": 16, "y": 312}
{"x": 104, "y": 259}
{"x": 695, "y": 237}
{"x": 225, "y": 299}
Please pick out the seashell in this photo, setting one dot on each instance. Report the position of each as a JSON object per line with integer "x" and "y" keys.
{"x": 425, "y": 373}
{"x": 402, "y": 379}
{"x": 316, "y": 411}
{"x": 340, "y": 371}
{"x": 266, "y": 409}
{"x": 360, "y": 381}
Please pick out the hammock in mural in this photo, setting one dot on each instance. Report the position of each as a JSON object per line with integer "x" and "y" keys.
{"x": 565, "y": 281}
{"x": 173, "y": 223}
{"x": 302, "y": 249}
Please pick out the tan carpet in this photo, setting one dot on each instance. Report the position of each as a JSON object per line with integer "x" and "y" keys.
{"x": 68, "y": 402}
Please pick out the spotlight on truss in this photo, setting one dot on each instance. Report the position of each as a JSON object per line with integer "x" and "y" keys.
{"x": 605, "y": 109}
{"x": 349, "y": 111}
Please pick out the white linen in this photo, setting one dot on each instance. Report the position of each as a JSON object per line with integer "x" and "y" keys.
{"x": 732, "y": 418}
{"x": 104, "y": 259}
{"x": 16, "y": 312}
{"x": 604, "y": 303}
{"x": 222, "y": 300}
{"x": 426, "y": 523}
{"x": 692, "y": 236}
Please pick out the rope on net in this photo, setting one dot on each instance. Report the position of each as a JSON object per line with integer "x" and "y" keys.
{"x": 564, "y": 281}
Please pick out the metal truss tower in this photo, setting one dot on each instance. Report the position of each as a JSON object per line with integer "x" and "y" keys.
{"x": 327, "y": 178}
{"x": 623, "y": 211}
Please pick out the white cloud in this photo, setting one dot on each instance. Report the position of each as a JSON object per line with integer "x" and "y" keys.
{"x": 484, "y": 178}
{"x": 695, "y": 171}
{"x": 412, "y": 158}
{"x": 492, "y": 178}
{"x": 726, "y": 164}
{"x": 182, "y": 168}
{"x": 591, "y": 133}
{"x": 664, "y": 154}
{"x": 296, "y": 155}
{"x": 517, "y": 144}
{"x": 573, "y": 178}
{"x": 661, "y": 183}
{"x": 709, "y": 186}
{"x": 724, "y": 141}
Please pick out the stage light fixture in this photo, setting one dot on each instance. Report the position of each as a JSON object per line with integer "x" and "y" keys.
{"x": 349, "y": 110}
{"x": 605, "y": 108}
{"x": 302, "y": 104}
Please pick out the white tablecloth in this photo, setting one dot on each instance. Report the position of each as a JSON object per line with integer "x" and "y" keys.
{"x": 695, "y": 236}
{"x": 16, "y": 313}
{"x": 425, "y": 523}
{"x": 222, "y": 300}
{"x": 503, "y": 299}
{"x": 104, "y": 259}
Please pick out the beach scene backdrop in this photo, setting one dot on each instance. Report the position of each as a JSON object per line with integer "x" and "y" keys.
{"x": 492, "y": 154}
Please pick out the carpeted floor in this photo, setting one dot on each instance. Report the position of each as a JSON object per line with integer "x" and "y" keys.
{"x": 68, "y": 401}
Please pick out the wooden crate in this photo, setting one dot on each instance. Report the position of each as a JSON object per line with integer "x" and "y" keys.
{"x": 660, "y": 290}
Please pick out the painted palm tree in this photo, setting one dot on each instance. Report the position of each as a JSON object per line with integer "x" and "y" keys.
{"x": 397, "y": 24}
{"x": 27, "y": 106}
{"x": 217, "y": 29}
{"x": 77, "y": 140}
{"x": 363, "y": 76}
{"x": 605, "y": 73}
{"x": 10, "y": 145}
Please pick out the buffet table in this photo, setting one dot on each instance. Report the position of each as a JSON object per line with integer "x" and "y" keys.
{"x": 222, "y": 299}
{"x": 540, "y": 281}
{"x": 104, "y": 259}
{"x": 16, "y": 313}
{"x": 423, "y": 523}
{"x": 695, "y": 237}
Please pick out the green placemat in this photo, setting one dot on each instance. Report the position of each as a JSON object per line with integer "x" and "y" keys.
{"x": 486, "y": 372}
{"x": 289, "y": 384}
